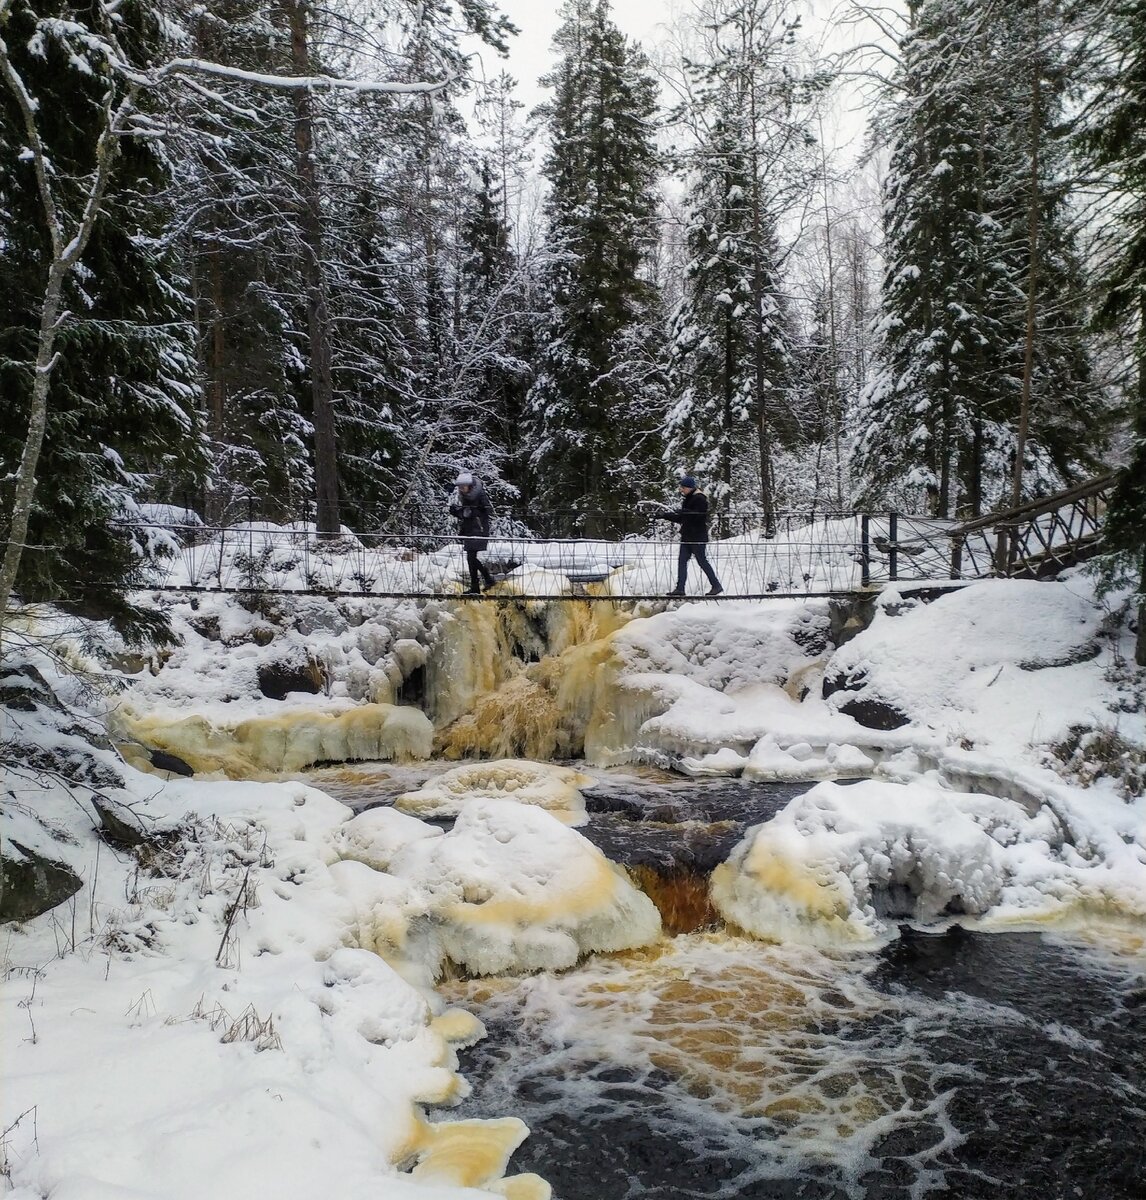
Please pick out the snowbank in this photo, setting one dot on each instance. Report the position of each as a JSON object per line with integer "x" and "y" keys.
{"x": 207, "y": 1016}
{"x": 1003, "y": 657}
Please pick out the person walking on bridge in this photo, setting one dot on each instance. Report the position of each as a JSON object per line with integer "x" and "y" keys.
{"x": 692, "y": 517}
{"x": 474, "y": 513}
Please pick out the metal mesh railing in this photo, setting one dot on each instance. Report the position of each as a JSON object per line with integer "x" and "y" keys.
{"x": 801, "y": 554}
{"x": 802, "y": 557}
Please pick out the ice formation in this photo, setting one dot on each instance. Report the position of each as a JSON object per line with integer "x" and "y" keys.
{"x": 288, "y": 741}
{"x": 475, "y": 1154}
{"x": 556, "y": 789}
{"x": 842, "y": 864}
{"x": 510, "y": 889}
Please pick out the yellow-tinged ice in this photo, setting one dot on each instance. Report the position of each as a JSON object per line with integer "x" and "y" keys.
{"x": 566, "y": 703}
{"x": 458, "y": 1027}
{"x": 553, "y": 788}
{"x": 521, "y": 1187}
{"x": 467, "y": 1153}
{"x": 287, "y": 741}
{"x": 775, "y": 897}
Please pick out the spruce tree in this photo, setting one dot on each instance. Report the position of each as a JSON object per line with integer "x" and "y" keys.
{"x": 597, "y": 406}
{"x": 1116, "y": 140}
{"x": 234, "y": 172}
{"x": 122, "y": 392}
{"x": 494, "y": 330}
{"x": 733, "y": 346}
{"x": 973, "y": 236}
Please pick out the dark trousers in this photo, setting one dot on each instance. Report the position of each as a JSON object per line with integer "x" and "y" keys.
{"x": 475, "y": 565}
{"x": 698, "y": 551}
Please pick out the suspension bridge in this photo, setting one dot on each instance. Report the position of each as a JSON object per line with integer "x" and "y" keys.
{"x": 801, "y": 556}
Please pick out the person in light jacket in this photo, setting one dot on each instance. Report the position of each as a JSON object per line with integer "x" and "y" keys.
{"x": 474, "y": 514}
{"x": 692, "y": 517}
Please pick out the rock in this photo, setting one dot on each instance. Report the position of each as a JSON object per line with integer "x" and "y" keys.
{"x": 162, "y": 761}
{"x": 849, "y": 617}
{"x": 120, "y": 826}
{"x": 277, "y": 680}
{"x": 23, "y": 688}
{"x": 867, "y": 710}
{"x": 31, "y": 884}
{"x": 874, "y": 714}
{"x": 72, "y": 763}
{"x": 207, "y": 626}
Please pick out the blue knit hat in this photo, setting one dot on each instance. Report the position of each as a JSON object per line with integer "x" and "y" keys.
{"x": 687, "y": 481}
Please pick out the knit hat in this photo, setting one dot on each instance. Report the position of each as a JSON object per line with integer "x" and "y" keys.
{"x": 687, "y": 481}
{"x": 464, "y": 478}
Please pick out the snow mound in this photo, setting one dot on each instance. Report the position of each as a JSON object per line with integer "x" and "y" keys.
{"x": 376, "y": 835}
{"x": 839, "y": 860}
{"x": 553, "y": 788}
{"x": 512, "y": 890}
{"x": 973, "y": 651}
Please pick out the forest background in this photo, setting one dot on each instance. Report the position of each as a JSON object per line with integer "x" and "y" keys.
{"x": 285, "y": 261}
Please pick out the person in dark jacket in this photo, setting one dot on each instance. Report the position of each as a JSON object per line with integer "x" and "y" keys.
{"x": 474, "y": 513}
{"x": 692, "y": 517}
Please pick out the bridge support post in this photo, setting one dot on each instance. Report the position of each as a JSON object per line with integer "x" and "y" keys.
{"x": 957, "y": 558}
{"x": 1002, "y": 550}
{"x": 893, "y": 545}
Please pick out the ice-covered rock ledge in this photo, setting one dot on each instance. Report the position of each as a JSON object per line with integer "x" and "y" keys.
{"x": 844, "y": 865}
{"x": 1013, "y": 670}
{"x": 983, "y": 799}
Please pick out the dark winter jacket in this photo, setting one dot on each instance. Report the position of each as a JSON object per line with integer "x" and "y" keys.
{"x": 692, "y": 517}
{"x": 474, "y": 513}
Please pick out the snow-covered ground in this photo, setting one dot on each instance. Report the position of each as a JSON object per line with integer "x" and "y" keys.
{"x": 244, "y": 1003}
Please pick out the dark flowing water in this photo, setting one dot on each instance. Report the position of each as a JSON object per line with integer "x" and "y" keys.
{"x": 976, "y": 1065}
{"x": 1008, "y": 1066}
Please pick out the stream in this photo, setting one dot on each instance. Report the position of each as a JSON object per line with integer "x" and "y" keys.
{"x": 992, "y": 1065}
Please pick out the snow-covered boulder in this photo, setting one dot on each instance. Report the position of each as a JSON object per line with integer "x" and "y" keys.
{"x": 838, "y": 862}
{"x": 511, "y": 889}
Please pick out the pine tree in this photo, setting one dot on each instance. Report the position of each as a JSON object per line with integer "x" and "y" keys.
{"x": 123, "y": 386}
{"x": 975, "y": 171}
{"x": 597, "y": 405}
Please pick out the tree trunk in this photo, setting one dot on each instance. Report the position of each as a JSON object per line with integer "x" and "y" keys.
{"x": 317, "y": 314}
{"x": 763, "y": 428}
{"x": 1032, "y": 274}
{"x": 37, "y": 424}
{"x": 1140, "y": 644}
{"x": 66, "y": 253}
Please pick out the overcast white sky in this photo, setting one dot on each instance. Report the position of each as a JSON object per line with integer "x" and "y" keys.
{"x": 646, "y": 21}
{"x": 538, "y": 20}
